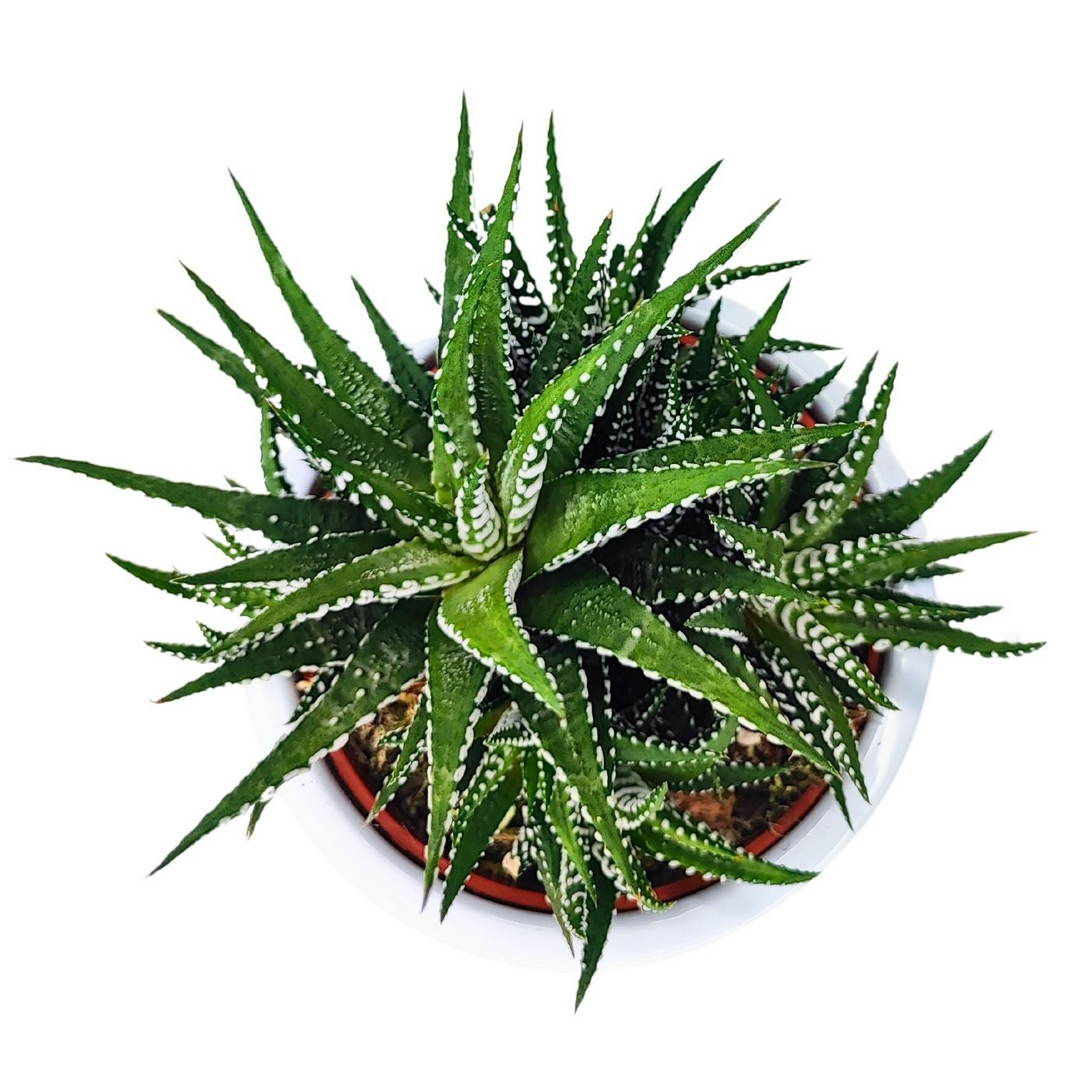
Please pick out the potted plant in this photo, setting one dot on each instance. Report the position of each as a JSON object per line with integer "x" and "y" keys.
{"x": 565, "y": 594}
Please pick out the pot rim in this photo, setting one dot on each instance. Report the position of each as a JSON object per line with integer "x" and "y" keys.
{"x": 517, "y": 935}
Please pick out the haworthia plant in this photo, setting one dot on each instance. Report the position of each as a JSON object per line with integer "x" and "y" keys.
{"x": 580, "y": 486}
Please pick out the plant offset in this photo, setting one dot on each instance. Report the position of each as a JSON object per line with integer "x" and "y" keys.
{"x": 582, "y": 487}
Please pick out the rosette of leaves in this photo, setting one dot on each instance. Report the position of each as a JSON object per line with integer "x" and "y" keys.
{"x": 579, "y": 488}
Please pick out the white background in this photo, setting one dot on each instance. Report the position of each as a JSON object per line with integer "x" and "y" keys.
{"x": 926, "y": 159}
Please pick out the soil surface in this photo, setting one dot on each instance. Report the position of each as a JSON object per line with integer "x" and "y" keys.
{"x": 738, "y": 815}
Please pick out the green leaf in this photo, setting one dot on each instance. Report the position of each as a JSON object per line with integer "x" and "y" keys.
{"x": 865, "y": 561}
{"x": 736, "y": 774}
{"x": 479, "y": 523}
{"x": 538, "y": 844}
{"x": 795, "y": 402}
{"x": 627, "y": 269}
{"x": 339, "y": 442}
{"x": 286, "y": 519}
{"x": 233, "y": 365}
{"x": 662, "y": 236}
{"x": 240, "y": 598}
{"x": 409, "y": 374}
{"x": 723, "y": 447}
{"x": 885, "y": 604}
{"x": 583, "y": 510}
{"x": 662, "y": 570}
{"x": 458, "y": 254}
{"x": 335, "y": 433}
{"x": 182, "y": 650}
{"x": 670, "y": 763}
{"x": 355, "y": 385}
{"x": 490, "y": 796}
{"x": 561, "y": 247}
{"x": 527, "y": 316}
{"x": 725, "y": 618}
{"x": 388, "y": 574}
{"x": 565, "y": 818}
{"x": 581, "y": 603}
{"x": 699, "y": 363}
{"x": 755, "y": 342}
{"x": 455, "y": 688}
{"x": 333, "y": 642}
{"x": 555, "y": 426}
{"x": 569, "y": 736}
{"x": 816, "y": 521}
{"x": 578, "y": 319}
{"x": 894, "y": 511}
{"x": 599, "y": 912}
{"x": 849, "y": 412}
{"x": 301, "y": 562}
{"x": 481, "y": 616}
{"x": 815, "y": 699}
{"x": 477, "y": 403}
{"x": 834, "y": 653}
{"x": 389, "y": 658}
{"x": 273, "y": 469}
{"x": 405, "y": 764}
{"x": 679, "y": 840}
{"x": 917, "y": 633}
{"x": 762, "y": 549}
{"x": 741, "y": 273}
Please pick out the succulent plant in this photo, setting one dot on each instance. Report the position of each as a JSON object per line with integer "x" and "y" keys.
{"x": 580, "y": 487}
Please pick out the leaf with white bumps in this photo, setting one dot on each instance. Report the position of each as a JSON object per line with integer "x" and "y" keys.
{"x": 278, "y": 518}
{"x": 389, "y": 658}
{"x": 583, "y": 604}
{"x": 561, "y": 247}
{"x": 382, "y": 576}
{"x": 827, "y": 505}
{"x": 353, "y": 382}
{"x": 490, "y": 796}
{"x": 583, "y": 510}
{"x": 568, "y": 738}
{"x": 556, "y": 424}
{"x": 680, "y": 841}
{"x": 577, "y": 321}
{"x": 477, "y": 403}
{"x": 896, "y": 510}
{"x": 455, "y": 688}
{"x": 479, "y": 523}
{"x": 300, "y": 562}
{"x": 330, "y": 643}
{"x": 481, "y": 615}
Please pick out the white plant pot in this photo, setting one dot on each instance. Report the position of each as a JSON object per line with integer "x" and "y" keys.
{"x": 532, "y": 938}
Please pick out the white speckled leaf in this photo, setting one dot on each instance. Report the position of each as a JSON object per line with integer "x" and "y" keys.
{"x": 555, "y": 426}
{"x": 894, "y": 511}
{"x": 301, "y": 562}
{"x": 582, "y": 510}
{"x": 455, "y": 688}
{"x": 490, "y": 796}
{"x": 353, "y": 382}
{"x": 583, "y": 604}
{"x": 329, "y": 643}
{"x": 389, "y": 658}
{"x": 818, "y": 518}
{"x": 277, "y": 517}
{"x": 570, "y": 742}
{"x": 477, "y": 403}
{"x": 406, "y": 568}
{"x": 682, "y": 841}
{"x": 480, "y": 614}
